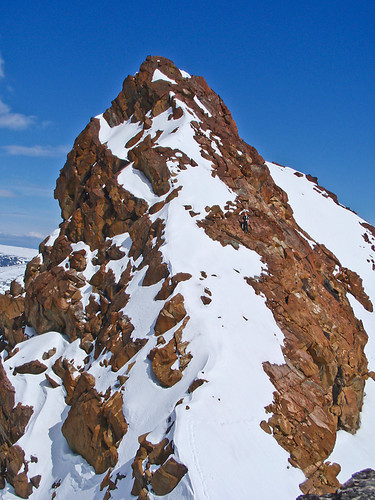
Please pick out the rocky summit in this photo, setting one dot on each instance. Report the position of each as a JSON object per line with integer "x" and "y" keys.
{"x": 200, "y": 325}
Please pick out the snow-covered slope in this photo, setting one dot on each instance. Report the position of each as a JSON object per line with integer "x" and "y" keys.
{"x": 13, "y": 262}
{"x": 228, "y": 329}
{"x": 345, "y": 234}
{"x": 217, "y": 433}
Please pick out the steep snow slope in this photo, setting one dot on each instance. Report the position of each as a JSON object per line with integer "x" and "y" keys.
{"x": 13, "y": 262}
{"x": 229, "y": 330}
{"x": 342, "y": 232}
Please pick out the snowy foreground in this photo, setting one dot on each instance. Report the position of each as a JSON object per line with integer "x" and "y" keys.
{"x": 216, "y": 432}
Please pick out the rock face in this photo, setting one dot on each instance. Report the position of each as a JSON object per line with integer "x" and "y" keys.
{"x": 13, "y": 421}
{"x": 12, "y": 321}
{"x": 125, "y": 281}
{"x": 361, "y": 486}
{"x": 319, "y": 389}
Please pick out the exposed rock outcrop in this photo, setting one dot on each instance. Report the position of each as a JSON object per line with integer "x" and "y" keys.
{"x": 320, "y": 387}
{"x": 171, "y": 314}
{"x": 361, "y": 486}
{"x": 13, "y": 421}
{"x": 12, "y": 320}
{"x": 95, "y": 425}
{"x": 163, "y": 358}
{"x": 163, "y": 479}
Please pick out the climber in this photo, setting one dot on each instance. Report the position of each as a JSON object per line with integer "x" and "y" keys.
{"x": 245, "y": 223}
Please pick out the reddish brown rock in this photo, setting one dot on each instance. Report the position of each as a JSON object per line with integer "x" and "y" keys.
{"x": 166, "y": 478}
{"x": 133, "y": 141}
{"x": 115, "y": 253}
{"x": 87, "y": 185}
{"x": 323, "y": 480}
{"x": 59, "y": 368}
{"x": 32, "y": 367}
{"x": 170, "y": 284}
{"x": 78, "y": 261}
{"x": 355, "y": 287}
{"x": 206, "y": 300}
{"x": 196, "y": 383}
{"x": 156, "y": 271}
{"x": 12, "y": 319}
{"x": 265, "y": 427}
{"x": 16, "y": 289}
{"x": 52, "y": 382}
{"x": 53, "y": 301}
{"x": 319, "y": 388}
{"x": 48, "y": 354}
{"x": 13, "y": 422}
{"x": 94, "y": 428}
{"x": 171, "y": 314}
{"x": 153, "y": 165}
{"x": 124, "y": 352}
{"x": 14, "y": 458}
{"x": 22, "y": 487}
{"x": 35, "y": 480}
{"x": 162, "y": 360}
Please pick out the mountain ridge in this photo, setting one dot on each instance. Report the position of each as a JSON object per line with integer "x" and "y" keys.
{"x": 136, "y": 282}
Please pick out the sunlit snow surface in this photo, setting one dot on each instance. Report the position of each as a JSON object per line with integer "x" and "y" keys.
{"x": 340, "y": 231}
{"x": 158, "y": 75}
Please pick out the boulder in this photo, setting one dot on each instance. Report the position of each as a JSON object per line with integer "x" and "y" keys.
{"x": 32, "y": 367}
{"x": 94, "y": 427}
{"x": 162, "y": 359}
{"x": 166, "y": 478}
{"x": 171, "y": 314}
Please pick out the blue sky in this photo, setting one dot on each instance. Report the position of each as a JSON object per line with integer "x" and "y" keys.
{"x": 297, "y": 76}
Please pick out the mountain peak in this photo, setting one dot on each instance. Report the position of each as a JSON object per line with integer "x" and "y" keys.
{"x": 193, "y": 322}
{"x": 156, "y": 78}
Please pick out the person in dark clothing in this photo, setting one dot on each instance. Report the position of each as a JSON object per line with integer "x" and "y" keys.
{"x": 245, "y": 223}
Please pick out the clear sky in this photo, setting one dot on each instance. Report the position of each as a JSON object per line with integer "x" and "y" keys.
{"x": 298, "y": 77}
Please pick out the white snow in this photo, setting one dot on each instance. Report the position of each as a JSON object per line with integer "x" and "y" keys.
{"x": 158, "y": 75}
{"x": 27, "y": 253}
{"x": 326, "y": 222}
{"x": 52, "y": 237}
{"x": 16, "y": 271}
{"x": 9, "y": 274}
{"x": 184, "y": 74}
{"x": 117, "y": 137}
{"x": 202, "y": 106}
{"x": 136, "y": 182}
